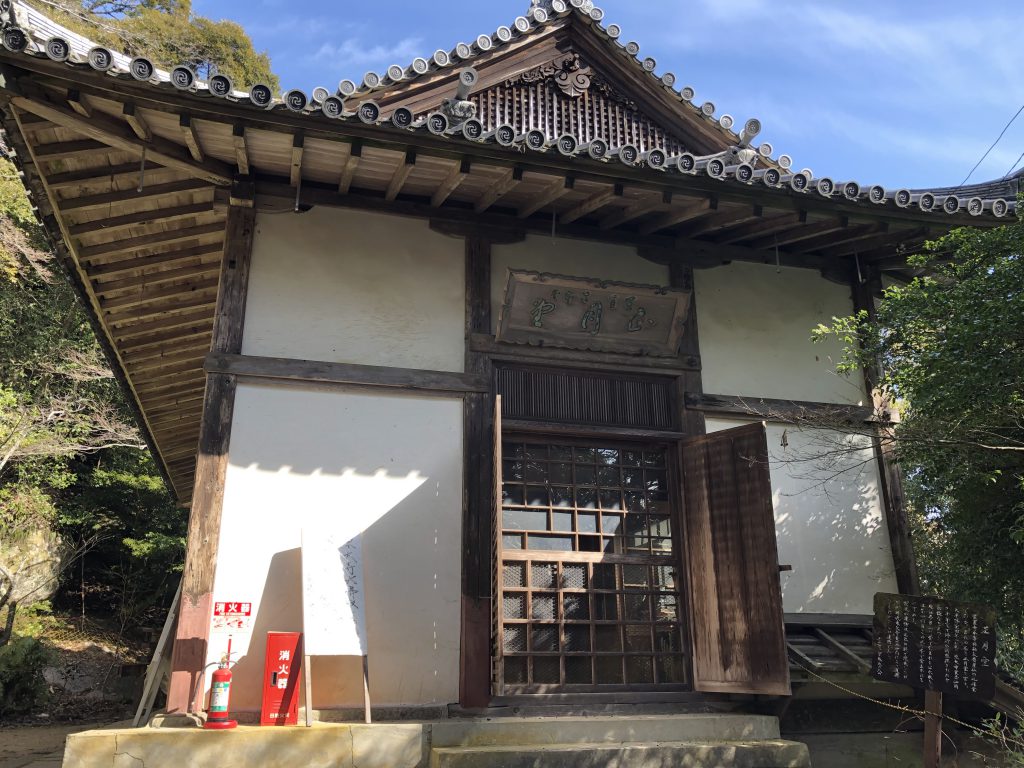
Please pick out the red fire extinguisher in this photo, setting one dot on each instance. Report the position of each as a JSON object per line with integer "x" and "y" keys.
{"x": 219, "y": 718}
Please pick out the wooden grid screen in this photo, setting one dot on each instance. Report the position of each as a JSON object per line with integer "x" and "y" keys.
{"x": 587, "y": 590}
{"x": 583, "y": 397}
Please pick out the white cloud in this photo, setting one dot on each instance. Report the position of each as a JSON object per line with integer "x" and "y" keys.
{"x": 352, "y": 53}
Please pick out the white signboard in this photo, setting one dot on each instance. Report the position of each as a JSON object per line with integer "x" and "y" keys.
{"x": 333, "y": 598}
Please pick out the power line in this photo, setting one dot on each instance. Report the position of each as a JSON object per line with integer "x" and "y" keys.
{"x": 998, "y": 139}
{"x": 1014, "y": 166}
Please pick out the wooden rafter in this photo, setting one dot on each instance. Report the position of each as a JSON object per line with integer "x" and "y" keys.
{"x": 103, "y": 173}
{"x": 241, "y": 149}
{"x": 676, "y": 216}
{"x": 104, "y": 199}
{"x": 156, "y": 278}
{"x": 78, "y": 103}
{"x": 142, "y": 263}
{"x": 858, "y": 232}
{"x": 191, "y": 136}
{"x": 554, "y": 191}
{"x": 65, "y": 150}
{"x": 140, "y": 218}
{"x": 766, "y": 226}
{"x": 135, "y": 122}
{"x": 114, "y": 134}
{"x": 459, "y": 171}
{"x": 594, "y": 202}
{"x": 721, "y": 220}
{"x": 354, "y": 151}
{"x": 871, "y": 243}
{"x": 398, "y": 178}
{"x": 636, "y": 209}
{"x": 800, "y": 233}
{"x": 129, "y": 244}
{"x": 505, "y": 183}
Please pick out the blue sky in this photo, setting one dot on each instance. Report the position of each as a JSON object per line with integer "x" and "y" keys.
{"x": 900, "y": 92}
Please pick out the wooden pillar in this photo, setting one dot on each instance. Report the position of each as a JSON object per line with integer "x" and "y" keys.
{"x": 893, "y": 499}
{"x": 190, "y": 643}
{"x": 478, "y": 504}
{"x": 692, "y": 421}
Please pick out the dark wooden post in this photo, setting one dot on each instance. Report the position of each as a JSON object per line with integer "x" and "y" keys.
{"x": 692, "y": 421}
{"x": 475, "y": 672}
{"x": 932, "y": 729}
{"x": 190, "y": 643}
{"x": 893, "y": 500}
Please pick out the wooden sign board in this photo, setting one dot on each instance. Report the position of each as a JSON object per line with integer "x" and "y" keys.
{"x": 595, "y": 315}
{"x": 935, "y": 645}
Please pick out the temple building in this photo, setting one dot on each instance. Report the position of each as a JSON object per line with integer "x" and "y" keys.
{"x": 531, "y": 325}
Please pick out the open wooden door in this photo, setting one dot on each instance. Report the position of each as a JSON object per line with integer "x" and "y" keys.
{"x": 736, "y": 617}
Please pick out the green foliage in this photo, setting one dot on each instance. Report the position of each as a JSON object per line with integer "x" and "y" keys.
{"x": 22, "y": 687}
{"x": 952, "y": 348}
{"x": 1009, "y": 736}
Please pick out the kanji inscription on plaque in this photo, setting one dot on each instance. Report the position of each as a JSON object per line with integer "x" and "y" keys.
{"x": 936, "y": 645}
{"x": 588, "y": 314}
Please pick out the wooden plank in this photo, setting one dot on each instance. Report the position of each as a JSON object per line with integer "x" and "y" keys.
{"x": 800, "y": 233}
{"x": 554, "y": 191}
{"x": 408, "y": 379}
{"x": 721, "y": 220}
{"x": 78, "y": 103}
{"x": 635, "y": 210}
{"x": 594, "y": 202}
{"x": 156, "y": 278}
{"x": 836, "y": 621}
{"x": 585, "y": 430}
{"x": 859, "y": 232}
{"x": 881, "y": 241}
{"x": 460, "y": 170}
{"x": 128, "y": 196}
{"x": 739, "y": 643}
{"x": 842, "y": 651}
{"x": 109, "y": 174}
{"x": 241, "y": 149}
{"x": 354, "y": 153}
{"x": 776, "y": 410}
{"x": 139, "y": 218}
{"x": 485, "y": 343}
{"x": 803, "y": 658}
{"x": 114, "y": 134}
{"x": 766, "y": 226}
{"x": 505, "y": 183}
{"x": 141, "y": 128}
{"x": 679, "y": 215}
{"x": 90, "y": 253}
{"x": 138, "y": 265}
{"x": 298, "y": 148}
{"x": 192, "y": 637}
{"x": 148, "y": 295}
{"x": 401, "y": 173}
{"x": 691, "y": 421}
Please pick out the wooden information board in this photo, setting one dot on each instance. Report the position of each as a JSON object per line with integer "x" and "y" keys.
{"x": 935, "y": 645}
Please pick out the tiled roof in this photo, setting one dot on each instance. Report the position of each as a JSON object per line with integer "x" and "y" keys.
{"x": 30, "y": 32}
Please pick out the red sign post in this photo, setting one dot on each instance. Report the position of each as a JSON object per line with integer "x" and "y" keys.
{"x": 281, "y": 679}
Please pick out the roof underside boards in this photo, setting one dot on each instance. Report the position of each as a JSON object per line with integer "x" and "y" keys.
{"x": 133, "y": 178}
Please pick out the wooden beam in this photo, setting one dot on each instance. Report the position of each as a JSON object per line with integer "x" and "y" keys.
{"x": 505, "y": 183}
{"x": 78, "y": 103}
{"x": 351, "y": 162}
{"x": 400, "y": 175}
{"x": 766, "y": 226}
{"x": 594, "y": 202}
{"x": 135, "y": 122}
{"x": 582, "y": 430}
{"x": 388, "y": 377}
{"x": 150, "y": 294}
{"x": 127, "y": 196}
{"x": 114, "y": 134}
{"x": 140, "y": 218}
{"x": 156, "y": 278}
{"x": 867, "y": 244}
{"x": 554, "y": 191}
{"x": 172, "y": 326}
{"x": 460, "y": 170}
{"x": 138, "y": 314}
{"x": 842, "y": 651}
{"x": 64, "y": 150}
{"x": 679, "y": 215}
{"x": 129, "y": 244}
{"x": 636, "y": 209}
{"x": 721, "y": 220}
{"x": 241, "y": 150}
{"x": 772, "y": 409}
{"x": 806, "y": 661}
{"x": 190, "y": 645}
{"x": 691, "y": 421}
{"x": 298, "y": 144}
{"x": 105, "y": 174}
{"x": 800, "y": 233}
{"x": 859, "y": 232}
{"x": 191, "y": 136}
{"x": 485, "y": 344}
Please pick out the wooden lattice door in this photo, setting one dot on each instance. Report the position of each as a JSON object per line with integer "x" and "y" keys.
{"x": 587, "y": 577}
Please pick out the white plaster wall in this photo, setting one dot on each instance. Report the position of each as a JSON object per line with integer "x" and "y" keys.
{"x": 303, "y": 456}
{"x": 828, "y": 520}
{"x": 576, "y": 258}
{"x": 755, "y": 333}
{"x": 347, "y": 286}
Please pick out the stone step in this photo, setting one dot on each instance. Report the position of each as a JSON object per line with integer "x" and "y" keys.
{"x": 589, "y": 730}
{"x": 768, "y": 753}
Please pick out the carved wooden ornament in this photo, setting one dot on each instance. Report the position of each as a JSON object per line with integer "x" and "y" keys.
{"x": 590, "y": 314}
{"x": 570, "y": 74}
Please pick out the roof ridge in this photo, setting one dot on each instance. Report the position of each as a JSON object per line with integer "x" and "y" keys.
{"x": 29, "y": 31}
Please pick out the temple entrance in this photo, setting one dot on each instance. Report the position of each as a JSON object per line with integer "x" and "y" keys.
{"x": 588, "y": 576}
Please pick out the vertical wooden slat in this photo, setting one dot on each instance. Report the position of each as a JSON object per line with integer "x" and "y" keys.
{"x": 738, "y": 637}
{"x": 190, "y": 644}
{"x": 693, "y": 422}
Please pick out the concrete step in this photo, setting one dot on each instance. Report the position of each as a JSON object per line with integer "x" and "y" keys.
{"x": 769, "y": 753}
{"x": 542, "y": 731}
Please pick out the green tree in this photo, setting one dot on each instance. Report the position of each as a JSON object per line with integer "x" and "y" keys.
{"x": 952, "y": 348}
